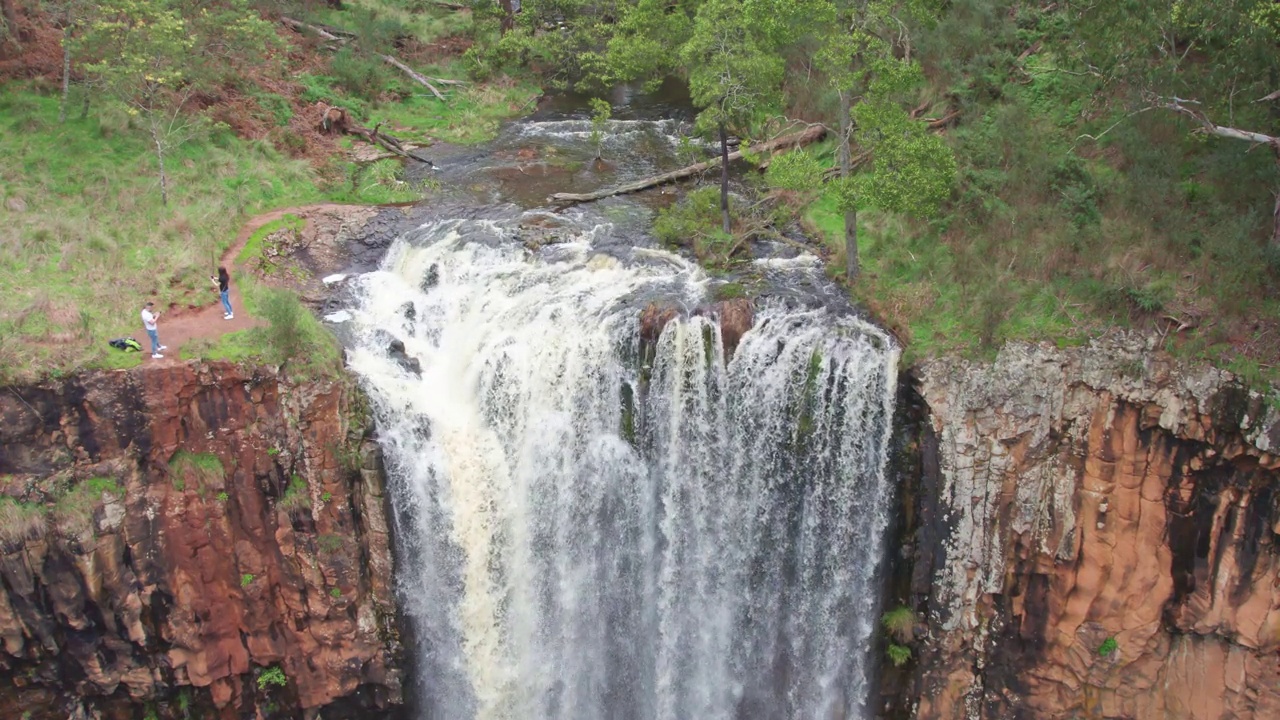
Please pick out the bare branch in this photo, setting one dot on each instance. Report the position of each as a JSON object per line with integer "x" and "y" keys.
{"x": 1179, "y": 105}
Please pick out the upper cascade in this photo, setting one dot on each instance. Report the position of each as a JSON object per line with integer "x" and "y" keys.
{"x": 598, "y": 522}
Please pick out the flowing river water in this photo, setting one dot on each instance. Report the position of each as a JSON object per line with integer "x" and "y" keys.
{"x": 592, "y": 524}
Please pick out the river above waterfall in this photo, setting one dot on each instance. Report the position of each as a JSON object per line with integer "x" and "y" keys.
{"x": 596, "y": 519}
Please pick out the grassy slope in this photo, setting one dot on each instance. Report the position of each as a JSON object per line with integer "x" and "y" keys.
{"x": 94, "y": 240}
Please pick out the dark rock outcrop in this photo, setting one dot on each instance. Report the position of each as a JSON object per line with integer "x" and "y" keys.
{"x": 232, "y": 531}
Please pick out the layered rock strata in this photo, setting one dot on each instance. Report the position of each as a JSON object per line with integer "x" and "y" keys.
{"x": 192, "y": 540}
{"x": 1101, "y": 539}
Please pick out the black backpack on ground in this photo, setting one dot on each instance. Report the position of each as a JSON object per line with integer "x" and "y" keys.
{"x": 127, "y": 344}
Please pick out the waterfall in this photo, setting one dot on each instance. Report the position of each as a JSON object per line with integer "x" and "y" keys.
{"x": 595, "y": 526}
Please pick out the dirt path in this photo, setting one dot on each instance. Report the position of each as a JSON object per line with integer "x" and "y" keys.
{"x": 181, "y": 326}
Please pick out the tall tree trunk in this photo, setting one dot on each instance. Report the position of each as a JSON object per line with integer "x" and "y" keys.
{"x": 724, "y": 178}
{"x": 1275, "y": 223}
{"x": 846, "y": 170}
{"x": 508, "y": 15}
{"x": 66, "y": 73}
{"x": 84, "y": 102}
{"x": 164, "y": 181}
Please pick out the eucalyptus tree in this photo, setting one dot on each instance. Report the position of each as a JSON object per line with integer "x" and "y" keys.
{"x": 865, "y": 53}
{"x": 152, "y": 55}
{"x": 735, "y": 76}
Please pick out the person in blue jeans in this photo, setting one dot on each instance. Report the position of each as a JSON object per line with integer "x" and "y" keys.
{"x": 149, "y": 318}
{"x": 223, "y": 281}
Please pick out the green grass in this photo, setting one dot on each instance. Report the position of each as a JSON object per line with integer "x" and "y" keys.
{"x": 94, "y": 241}
{"x": 472, "y": 114}
{"x": 253, "y": 246}
{"x": 201, "y": 470}
{"x": 73, "y": 511}
{"x": 293, "y": 336}
{"x": 20, "y": 521}
{"x": 900, "y": 623}
{"x": 297, "y": 496}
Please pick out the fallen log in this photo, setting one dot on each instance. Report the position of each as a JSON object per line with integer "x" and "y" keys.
{"x": 336, "y": 120}
{"x": 299, "y": 25}
{"x": 410, "y": 72}
{"x": 342, "y": 36}
{"x": 449, "y": 5}
{"x": 810, "y": 134}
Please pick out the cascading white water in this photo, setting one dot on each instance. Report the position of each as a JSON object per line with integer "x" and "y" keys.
{"x": 593, "y": 527}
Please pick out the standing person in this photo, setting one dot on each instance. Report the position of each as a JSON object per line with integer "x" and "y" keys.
{"x": 223, "y": 281}
{"x": 149, "y": 318}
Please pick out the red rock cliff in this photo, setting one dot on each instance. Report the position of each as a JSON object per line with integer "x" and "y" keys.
{"x": 192, "y": 537}
{"x": 1102, "y": 539}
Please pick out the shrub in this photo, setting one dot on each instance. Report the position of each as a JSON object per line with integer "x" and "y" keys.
{"x": 201, "y": 469}
{"x": 695, "y": 215}
{"x": 900, "y": 623}
{"x": 297, "y": 496}
{"x": 898, "y": 655}
{"x": 286, "y": 318}
{"x": 1108, "y": 646}
{"x": 335, "y": 593}
{"x": 361, "y": 75}
{"x": 272, "y": 676}
{"x": 246, "y": 580}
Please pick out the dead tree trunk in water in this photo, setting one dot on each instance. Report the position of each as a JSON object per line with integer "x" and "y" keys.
{"x": 813, "y": 133}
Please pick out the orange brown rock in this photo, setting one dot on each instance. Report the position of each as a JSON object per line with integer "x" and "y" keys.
{"x": 1099, "y": 498}
{"x": 197, "y": 585}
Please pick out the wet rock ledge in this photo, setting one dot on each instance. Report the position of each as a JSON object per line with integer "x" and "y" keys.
{"x": 199, "y": 540}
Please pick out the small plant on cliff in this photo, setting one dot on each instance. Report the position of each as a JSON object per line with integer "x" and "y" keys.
{"x": 326, "y": 496}
{"x": 272, "y": 676}
{"x": 20, "y": 521}
{"x": 246, "y": 579}
{"x": 900, "y": 623}
{"x": 1108, "y": 646}
{"x": 330, "y": 543}
{"x": 223, "y": 496}
{"x": 202, "y": 470}
{"x": 73, "y": 512}
{"x": 297, "y": 496}
{"x": 898, "y": 654}
{"x": 335, "y": 593}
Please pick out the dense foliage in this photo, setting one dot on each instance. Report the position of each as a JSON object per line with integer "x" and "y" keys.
{"x": 1001, "y": 168}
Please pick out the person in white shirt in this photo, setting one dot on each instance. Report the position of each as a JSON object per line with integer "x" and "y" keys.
{"x": 149, "y": 318}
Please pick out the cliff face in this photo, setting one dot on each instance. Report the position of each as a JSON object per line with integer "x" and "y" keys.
{"x": 1099, "y": 538}
{"x": 195, "y": 540}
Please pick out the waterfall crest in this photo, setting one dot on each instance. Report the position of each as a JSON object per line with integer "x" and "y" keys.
{"x": 594, "y": 526}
